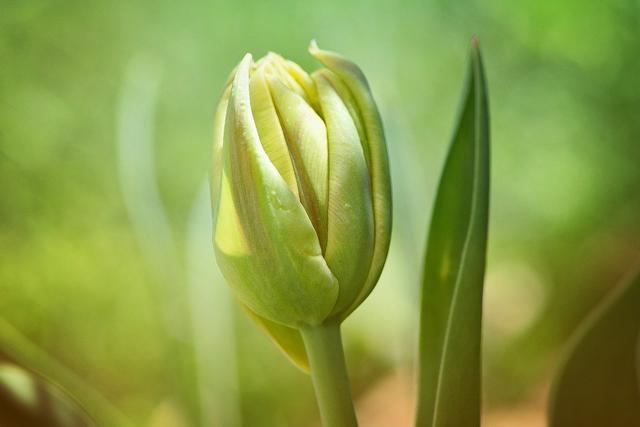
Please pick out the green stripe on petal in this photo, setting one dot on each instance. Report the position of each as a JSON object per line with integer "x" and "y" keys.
{"x": 350, "y": 214}
{"x": 378, "y": 160}
{"x": 284, "y": 277}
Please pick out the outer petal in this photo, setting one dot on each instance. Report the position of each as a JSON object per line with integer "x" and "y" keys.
{"x": 354, "y": 111}
{"x": 277, "y": 270}
{"x": 287, "y": 339}
{"x": 216, "y": 152}
{"x": 377, "y": 159}
{"x": 350, "y": 215}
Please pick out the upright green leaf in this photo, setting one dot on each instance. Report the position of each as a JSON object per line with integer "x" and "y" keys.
{"x": 599, "y": 382}
{"x": 451, "y": 312}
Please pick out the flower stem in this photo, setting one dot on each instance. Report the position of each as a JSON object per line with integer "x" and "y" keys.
{"x": 329, "y": 375}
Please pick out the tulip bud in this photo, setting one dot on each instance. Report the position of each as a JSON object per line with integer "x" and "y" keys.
{"x": 300, "y": 191}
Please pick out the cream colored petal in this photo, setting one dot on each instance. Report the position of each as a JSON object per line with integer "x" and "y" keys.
{"x": 306, "y": 137}
{"x": 269, "y": 129}
{"x": 278, "y": 66}
{"x": 305, "y": 81}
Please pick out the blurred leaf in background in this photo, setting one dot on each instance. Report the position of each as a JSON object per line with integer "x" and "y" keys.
{"x": 75, "y": 276}
{"x": 30, "y": 401}
{"x": 599, "y": 381}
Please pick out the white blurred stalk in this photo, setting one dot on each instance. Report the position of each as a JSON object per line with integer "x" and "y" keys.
{"x": 149, "y": 221}
{"x": 197, "y": 316}
{"x": 212, "y": 320}
{"x": 139, "y": 183}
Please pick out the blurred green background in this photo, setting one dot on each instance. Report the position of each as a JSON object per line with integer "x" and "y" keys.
{"x": 105, "y": 127}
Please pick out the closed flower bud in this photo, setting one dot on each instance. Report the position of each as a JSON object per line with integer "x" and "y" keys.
{"x": 301, "y": 192}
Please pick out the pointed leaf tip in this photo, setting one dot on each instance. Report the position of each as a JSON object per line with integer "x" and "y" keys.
{"x": 453, "y": 278}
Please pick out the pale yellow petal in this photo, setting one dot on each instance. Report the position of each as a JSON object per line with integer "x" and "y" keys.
{"x": 269, "y": 129}
{"x": 306, "y": 137}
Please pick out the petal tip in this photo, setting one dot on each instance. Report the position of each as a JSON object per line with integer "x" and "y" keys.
{"x": 244, "y": 67}
{"x": 313, "y": 46}
{"x": 246, "y": 58}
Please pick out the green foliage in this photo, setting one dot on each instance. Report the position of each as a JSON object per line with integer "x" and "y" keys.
{"x": 74, "y": 277}
{"x": 450, "y": 326}
{"x": 36, "y": 390}
{"x": 599, "y": 382}
{"x": 28, "y": 400}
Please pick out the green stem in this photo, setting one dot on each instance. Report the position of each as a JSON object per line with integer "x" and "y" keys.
{"x": 329, "y": 375}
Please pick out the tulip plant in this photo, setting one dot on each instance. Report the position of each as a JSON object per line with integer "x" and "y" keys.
{"x": 301, "y": 195}
{"x": 302, "y": 218}
{"x": 302, "y": 207}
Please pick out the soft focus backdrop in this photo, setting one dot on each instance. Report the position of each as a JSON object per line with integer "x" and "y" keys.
{"x": 105, "y": 127}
